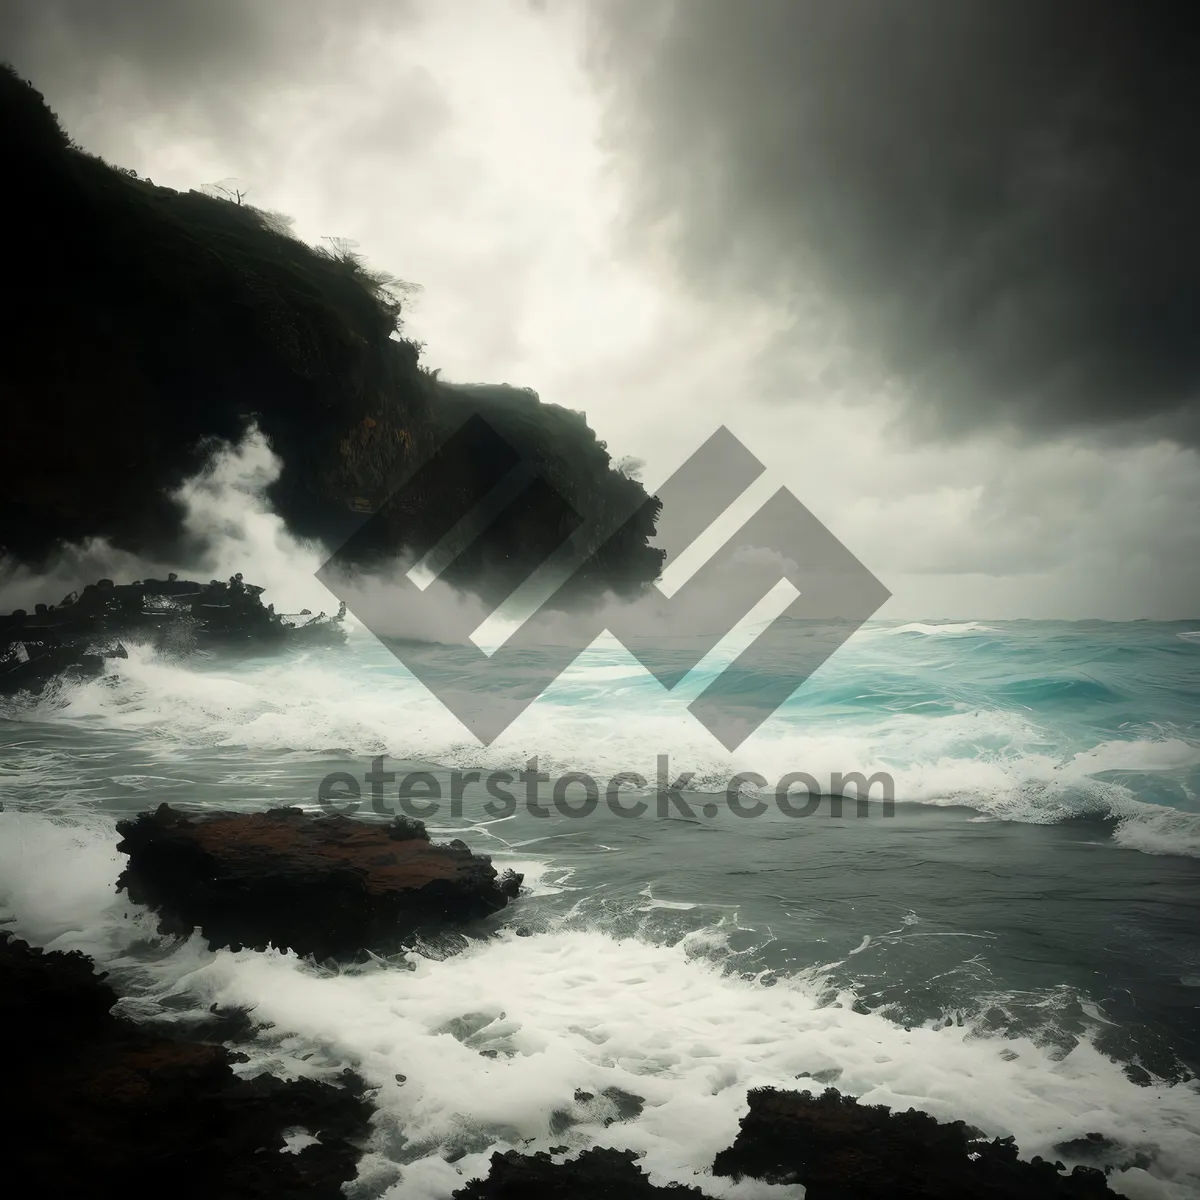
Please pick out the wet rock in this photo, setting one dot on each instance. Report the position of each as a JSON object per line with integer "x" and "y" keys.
{"x": 53, "y": 998}
{"x": 1091, "y": 1145}
{"x": 842, "y": 1150}
{"x": 216, "y": 612}
{"x": 626, "y": 1105}
{"x": 613, "y": 1104}
{"x": 1097, "y": 1150}
{"x": 328, "y": 886}
{"x": 75, "y": 637}
{"x": 29, "y": 664}
{"x": 597, "y": 1174}
{"x": 93, "y": 1106}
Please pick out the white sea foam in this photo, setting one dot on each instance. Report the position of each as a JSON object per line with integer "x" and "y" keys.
{"x": 565, "y": 1009}
{"x": 224, "y": 507}
{"x": 603, "y": 718}
{"x": 569, "y": 1010}
{"x": 947, "y": 628}
{"x": 1157, "y": 830}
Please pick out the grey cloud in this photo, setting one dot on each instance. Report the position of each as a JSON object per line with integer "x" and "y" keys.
{"x": 1002, "y": 197}
{"x": 177, "y": 46}
{"x": 203, "y": 66}
{"x": 1100, "y": 513}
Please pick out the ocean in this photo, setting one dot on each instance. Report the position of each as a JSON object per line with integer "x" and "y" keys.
{"x": 1014, "y": 942}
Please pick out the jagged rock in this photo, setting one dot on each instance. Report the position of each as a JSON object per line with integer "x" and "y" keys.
{"x": 842, "y": 1150}
{"x": 28, "y": 665}
{"x": 78, "y": 635}
{"x": 326, "y": 886}
{"x": 49, "y": 996}
{"x": 597, "y": 1174}
{"x": 93, "y": 1106}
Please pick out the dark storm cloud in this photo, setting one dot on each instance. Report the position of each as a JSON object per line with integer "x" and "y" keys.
{"x": 1002, "y": 196}
{"x": 212, "y": 49}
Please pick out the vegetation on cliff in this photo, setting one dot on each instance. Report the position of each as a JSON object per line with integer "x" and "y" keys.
{"x": 150, "y": 325}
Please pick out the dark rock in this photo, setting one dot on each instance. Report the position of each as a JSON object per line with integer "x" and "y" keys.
{"x": 326, "y": 886}
{"x": 612, "y": 1105}
{"x": 403, "y": 829}
{"x": 842, "y": 1150}
{"x": 29, "y": 664}
{"x": 93, "y": 1106}
{"x": 627, "y": 1105}
{"x": 597, "y": 1174}
{"x": 1091, "y": 1145}
{"x": 1102, "y": 1152}
{"x": 49, "y": 997}
{"x": 1138, "y": 1074}
{"x": 76, "y": 638}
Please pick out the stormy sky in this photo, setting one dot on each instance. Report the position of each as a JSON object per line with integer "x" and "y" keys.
{"x": 935, "y": 262}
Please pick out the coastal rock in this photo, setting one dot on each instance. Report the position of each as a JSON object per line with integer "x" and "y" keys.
{"x": 597, "y": 1174}
{"x": 842, "y": 1150}
{"x": 327, "y": 886}
{"x": 93, "y": 1106}
{"x": 78, "y": 635}
{"x": 28, "y": 666}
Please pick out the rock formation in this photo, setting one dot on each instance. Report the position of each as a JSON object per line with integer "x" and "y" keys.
{"x": 93, "y": 1106}
{"x": 595, "y": 1175}
{"x": 325, "y": 886}
{"x": 76, "y": 636}
{"x": 842, "y": 1150}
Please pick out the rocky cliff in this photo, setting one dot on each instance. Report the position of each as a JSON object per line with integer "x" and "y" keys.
{"x": 147, "y": 326}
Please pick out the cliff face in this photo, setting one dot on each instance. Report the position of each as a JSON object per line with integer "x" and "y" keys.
{"x": 148, "y": 325}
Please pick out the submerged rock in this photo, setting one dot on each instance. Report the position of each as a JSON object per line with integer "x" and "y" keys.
{"x": 327, "y": 886}
{"x": 597, "y": 1174}
{"x": 842, "y": 1150}
{"x": 93, "y": 1106}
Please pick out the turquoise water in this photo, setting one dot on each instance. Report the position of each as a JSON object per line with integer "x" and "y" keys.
{"x": 1016, "y": 944}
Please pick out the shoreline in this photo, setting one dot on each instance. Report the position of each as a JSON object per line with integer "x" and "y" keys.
{"x": 938, "y": 1159}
